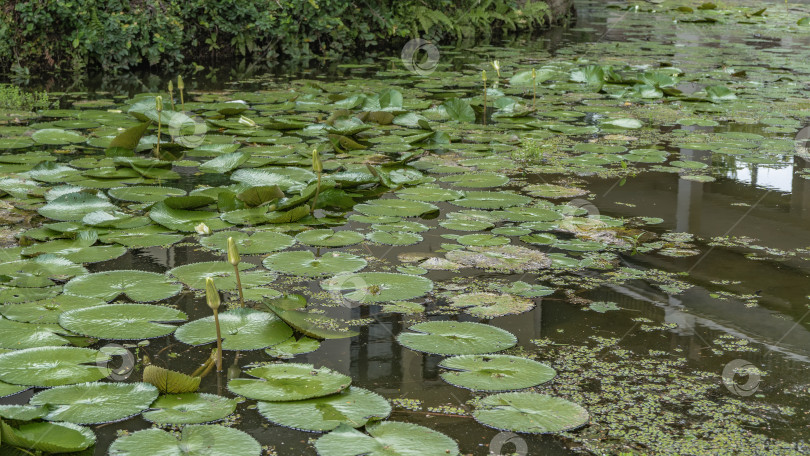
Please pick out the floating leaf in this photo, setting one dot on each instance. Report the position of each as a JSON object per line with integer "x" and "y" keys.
{"x": 458, "y": 109}
{"x": 140, "y": 286}
{"x": 354, "y": 407}
{"x": 394, "y": 238}
{"x": 502, "y": 258}
{"x": 258, "y": 243}
{"x": 329, "y": 238}
{"x": 304, "y": 263}
{"x": 389, "y": 438}
{"x": 371, "y": 287}
{"x": 456, "y": 338}
{"x": 529, "y": 412}
{"x": 291, "y": 347}
{"x": 53, "y": 366}
{"x": 242, "y": 329}
{"x": 490, "y": 305}
{"x": 16, "y": 335}
{"x": 396, "y": 207}
{"x": 144, "y": 194}
{"x": 491, "y": 200}
{"x": 93, "y": 403}
{"x": 48, "y": 437}
{"x": 169, "y": 381}
{"x": 495, "y": 372}
{"x": 190, "y": 408}
{"x": 74, "y": 206}
{"x": 222, "y": 272}
{"x": 314, "y": 325}
{"x": 289, "y": 382}
{"x": 195, "y": 440}
{"x": 57, "y": 137}
{"x": 122, "y": 321}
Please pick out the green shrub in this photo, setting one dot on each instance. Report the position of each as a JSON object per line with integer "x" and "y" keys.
{"x": 13, "y": 98}
{"x": 118, "y": 35}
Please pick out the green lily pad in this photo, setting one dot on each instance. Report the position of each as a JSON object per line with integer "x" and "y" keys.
{"x": 490, "y": 305}
{"x": 122, "y": 321}
{"x": 304, "y": 263}
{"x": 76, "y": 250}
{"x": 476, "y": 180}
{"x": 291, "y": 347}
{"x": 241, "y": 329}
{"x": 139, "y": 286}
{"x": 169, "y": 381}
{"x": 258, "y": 243}
{"x": 395, "y": 207}
{"x": 222, "y": 272}
{"x": 394, "y": 238}
{"x": 195, "y": 440}
{"x": 389, "y": 438}
{"x": 57, "y": 137}
{"x": 372, "y": 287}
{"x": 329, "y": 238}
{"x": 501, "y": 258}
{"x": 40, "y": 271}
{"x": 17, "y": 335}
{"x": 53, "y": 366}
{"x": 184, "y": 220}
{"x": 530, "y": 413}
{"x": 354, "y": 407}
{"x": 495, "y": 372}
{"x": 491, "y": 200}
{"x": 145, "y": 194}
{"x": 554, "y": 191}
{"x": 456, "y": 338}
{"x": 314, "y": 325}
{"x": 74, "y": 206}
{"x": 482, "y": 240}
{"x": 93, "y": 403}
{"x": 460, "y": 224}
{"x": 429, "y": 194}
{"x": 48, "y": 437}
{"x": 289, "y": 382}
{"x": 190, "y": 408}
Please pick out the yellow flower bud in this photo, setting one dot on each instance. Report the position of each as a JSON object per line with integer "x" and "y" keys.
{"x": 211, "y": 294}
{"x": 159, "y": 103}
{"x": 171, "y": 87}
{"x": 233, "y": 254}
{"x": 180, "y": 84}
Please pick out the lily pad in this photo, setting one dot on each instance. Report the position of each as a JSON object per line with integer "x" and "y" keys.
{"x": 501, "y": 258}
{"x": 289, "y": 382}
{"x": 394, "y": 238}
{"x": 530, "y": 413}
{"x": 354, "y": 407}
{"x": 195, "y": 440}
{"x": 490, "y": 305}
{"x": 258, "y": 243}
{"x": 57, "y": 137}
{"x": 17, "y": 335}
{"x": 491, "y": 200}
{"x": 145, "y": 194}
{"x": 372, "y": 287}
{"x": 396, "y": 207}
{"x": 389, "y": 438}
{"x": 169, "y": 381}
{"x": 93, "y": 403}
{"x": 314, "y": 325}
{"x": 122, "y": 321}
{"x": 74, "y": 206}
{"x": 190, "y": 408}
{"x": 329, "y": 238}
{"x": 495, "y": 372}
{"x": 241, "y": 329}
{"x": 304, "y": 263}
{"x": 456, "y": 338}
{"x": 48, "y": 437}
{"x": 476, "y": 180}
{"x": 139, "y": 286}
{"x": 291, "y": 347}
{"x": 222, "y": 272}
{"x": 53, "y": 366}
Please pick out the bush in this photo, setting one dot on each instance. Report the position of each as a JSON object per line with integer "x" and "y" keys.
{"x": 118, "y": 35}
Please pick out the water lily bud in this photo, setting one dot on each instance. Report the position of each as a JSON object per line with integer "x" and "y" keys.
{"x": 534, "y": 74}
{"x": 233, "y": 254}
{"x": 484, "y": 75}
{"x": 171, "y": 87}
{"x": 159, "y": 103}
{"x": 202, "y": 228}
{"x": 317, "y": 166}
{"x": 247, "y": 121}
{"x": 497, "y": 65}
{"x": 180, "y": 84}
{"x": 211, "y": 294}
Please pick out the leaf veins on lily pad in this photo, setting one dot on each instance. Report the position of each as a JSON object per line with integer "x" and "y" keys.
{"x": 241, "y": 329}
{"x": 530, "y": 413}
{"x": 490, "y": 305}
{"x": 495, "y": 372}
{"x": 388, "y": 438}
{"x": 194, "y": 440}
{"x": 289, "y": 382}
{"x": 456, "y": 338}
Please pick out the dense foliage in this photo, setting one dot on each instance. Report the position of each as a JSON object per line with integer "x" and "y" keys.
{"x": 118, "y": 35}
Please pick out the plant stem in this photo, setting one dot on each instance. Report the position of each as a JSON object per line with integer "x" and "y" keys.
{"x": 182, "y": 103}
{"x": 485, "y": 101}
{"x": 157, "y": 153}
{"x": 534, "y": 94}
{"x": 239, "y": 285}
{"x": 219, "y": 342}
{"x": 206, "y": 366}
{"x": 317, "y": 191}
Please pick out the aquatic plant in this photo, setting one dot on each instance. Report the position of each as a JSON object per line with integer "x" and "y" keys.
{"x": 234, "y": 259}
{"x": 213, "y": 301}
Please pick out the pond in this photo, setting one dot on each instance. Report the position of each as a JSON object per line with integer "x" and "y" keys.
{"x": 594, "y": 241}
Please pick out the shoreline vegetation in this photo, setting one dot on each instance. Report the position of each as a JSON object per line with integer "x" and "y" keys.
{"x": 116, "y": 36}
